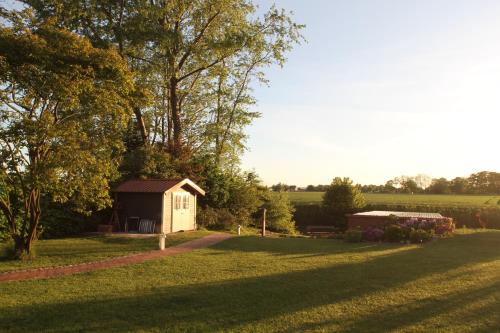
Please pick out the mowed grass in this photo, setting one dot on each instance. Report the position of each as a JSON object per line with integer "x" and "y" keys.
{"x": 58, "y": 252}
{"x": 251, "y": 284}
{"x": 409, "y": 199}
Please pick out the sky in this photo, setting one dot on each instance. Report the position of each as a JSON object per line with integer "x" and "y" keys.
{"x": 381, "y": 89}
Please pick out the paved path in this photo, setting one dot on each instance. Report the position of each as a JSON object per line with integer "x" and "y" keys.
{"x": 49, "y": 272}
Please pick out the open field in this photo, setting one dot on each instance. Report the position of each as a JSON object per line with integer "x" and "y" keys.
{"x": 67, "y": 251}
{"x": 250, "y": 284}
{"x": 411, "y": 199}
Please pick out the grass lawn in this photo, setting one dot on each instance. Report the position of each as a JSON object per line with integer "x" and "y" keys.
{"x": 411, "y": 199}
{"x": 58, "y": 252}
{"x": 250, "y": 284}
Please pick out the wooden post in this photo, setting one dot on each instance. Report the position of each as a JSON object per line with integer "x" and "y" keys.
{"x": 264, "y": 223}
{"x": 162, "y": 241}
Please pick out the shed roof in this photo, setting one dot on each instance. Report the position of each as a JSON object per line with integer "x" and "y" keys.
{"x": 155, "y": 185}
{"x": 380, "y": 213}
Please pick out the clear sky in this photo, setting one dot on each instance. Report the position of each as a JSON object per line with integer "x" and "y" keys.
{"x": 381, "y": 89}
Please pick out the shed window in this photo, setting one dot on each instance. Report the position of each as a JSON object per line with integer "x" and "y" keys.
{"x": 185, "y": 201}
{"x": 177, "y": 201}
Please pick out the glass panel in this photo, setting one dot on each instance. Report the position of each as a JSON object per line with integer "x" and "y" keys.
{"x": 177, "y": 199}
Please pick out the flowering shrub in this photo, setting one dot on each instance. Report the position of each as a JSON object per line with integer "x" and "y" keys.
{"x": 393, "y": 233}
{"x": 411, "y": 229}
{"x": 438, "y": 227}
{"x": 421, "y": 235}
{"x": 445, "y": 227}
{"x": 373, "y": 234}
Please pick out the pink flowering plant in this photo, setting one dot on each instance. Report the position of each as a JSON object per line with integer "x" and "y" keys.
{"x": 373, "y": 234}
{"x": 409, "y": 230}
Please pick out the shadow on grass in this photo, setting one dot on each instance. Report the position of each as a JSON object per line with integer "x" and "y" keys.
{"x": 300, "y": 247}
{"x": 417, "y": 312}
{"x": 227, "y": 305}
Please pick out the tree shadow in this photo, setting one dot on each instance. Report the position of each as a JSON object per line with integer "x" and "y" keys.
{"x": 230, "y": 304}
{"x": 300, "y": 247}
{"x": 416, "y": 312}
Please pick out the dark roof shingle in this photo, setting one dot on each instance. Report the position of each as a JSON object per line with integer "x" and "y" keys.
{"x": 147, "y": 185}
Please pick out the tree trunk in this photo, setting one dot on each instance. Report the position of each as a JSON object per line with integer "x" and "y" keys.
{"x": 24, "y": 241}
{"x": 176, "y": 118}
{"x": 141, "y": 125}
{"x": 218, "y": 120}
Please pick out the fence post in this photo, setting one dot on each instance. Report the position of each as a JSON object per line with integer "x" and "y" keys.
{"x": 162, "y": 241}
{"x": 264, "y": 223}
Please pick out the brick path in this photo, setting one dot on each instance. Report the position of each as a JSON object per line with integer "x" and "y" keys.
{"x": 49, "y": 272}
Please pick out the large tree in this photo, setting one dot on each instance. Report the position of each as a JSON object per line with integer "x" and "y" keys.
{"x": 196, "y": 58}
{"x": 63, "y": 107}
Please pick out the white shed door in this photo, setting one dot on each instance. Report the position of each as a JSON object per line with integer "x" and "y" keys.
{"x": 180, "y": 211}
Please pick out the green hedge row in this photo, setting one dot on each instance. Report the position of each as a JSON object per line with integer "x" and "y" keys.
{"x": 307, "y": 214}
{"x": 463, "y": 216}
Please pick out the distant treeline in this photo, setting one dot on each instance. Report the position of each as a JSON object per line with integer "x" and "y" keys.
{"x": 484, "y": 182}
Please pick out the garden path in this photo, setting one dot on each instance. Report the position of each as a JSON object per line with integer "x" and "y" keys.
{"x": 50, "y": 272}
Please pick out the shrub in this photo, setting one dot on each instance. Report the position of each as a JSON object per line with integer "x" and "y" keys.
{"x": 420, "y": 235}
{"x": 239, "y": 192}
{"x": 444, "y": 227}
{"x": 279, "y": 213}
{"x": 7, "y": 250}
{"x": 60, "y": 220}
{"x": 353, "y": 235}
{"x": 393, "y": 233}
{"x": 4, "y": 229}
{"x": 216, "y": 219}
{"x": 342, "y": 197}
{"x": 373, "y": 234}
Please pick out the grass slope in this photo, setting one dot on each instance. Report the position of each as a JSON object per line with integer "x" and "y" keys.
{"x": 411, "y": 199}
{"x": 250, "y": 284}
{"x": 58, "y": 252}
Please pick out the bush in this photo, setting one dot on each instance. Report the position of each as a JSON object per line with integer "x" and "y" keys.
{"x": 353, "y": 235}
{"x": 393, "y": 233}
{"x": 4, "y": 229}
{"x": 279, "y": 213}
{"x": 445, "y": 227}
{"x": 373, "y": 234}
{"x": 241, "y": 193}
{"x": 341, "y": 198}
{"x": 420, "y": 235}
{"x": 216, "y": 219}
{"x": 7, "y": 250}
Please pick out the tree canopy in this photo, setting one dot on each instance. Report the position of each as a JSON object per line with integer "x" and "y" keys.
{"x": 95, "y": 91}
{"x": 63, "y": 107}
{"x": 342, "y": 196}
{"x": 196, "y": 60}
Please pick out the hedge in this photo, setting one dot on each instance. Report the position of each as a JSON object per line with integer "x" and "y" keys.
{"x": 315, "y": 214}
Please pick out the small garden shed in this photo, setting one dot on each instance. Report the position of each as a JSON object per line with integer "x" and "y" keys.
{"x": 157, "y": 205}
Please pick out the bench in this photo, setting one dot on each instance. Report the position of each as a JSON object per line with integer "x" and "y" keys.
{"x": 320, "y": 229}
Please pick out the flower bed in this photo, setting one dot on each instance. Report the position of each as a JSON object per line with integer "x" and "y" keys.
{"x": 406, "y": 230}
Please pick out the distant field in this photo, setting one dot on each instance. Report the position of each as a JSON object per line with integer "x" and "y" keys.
{"x": 412, "y": 199}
